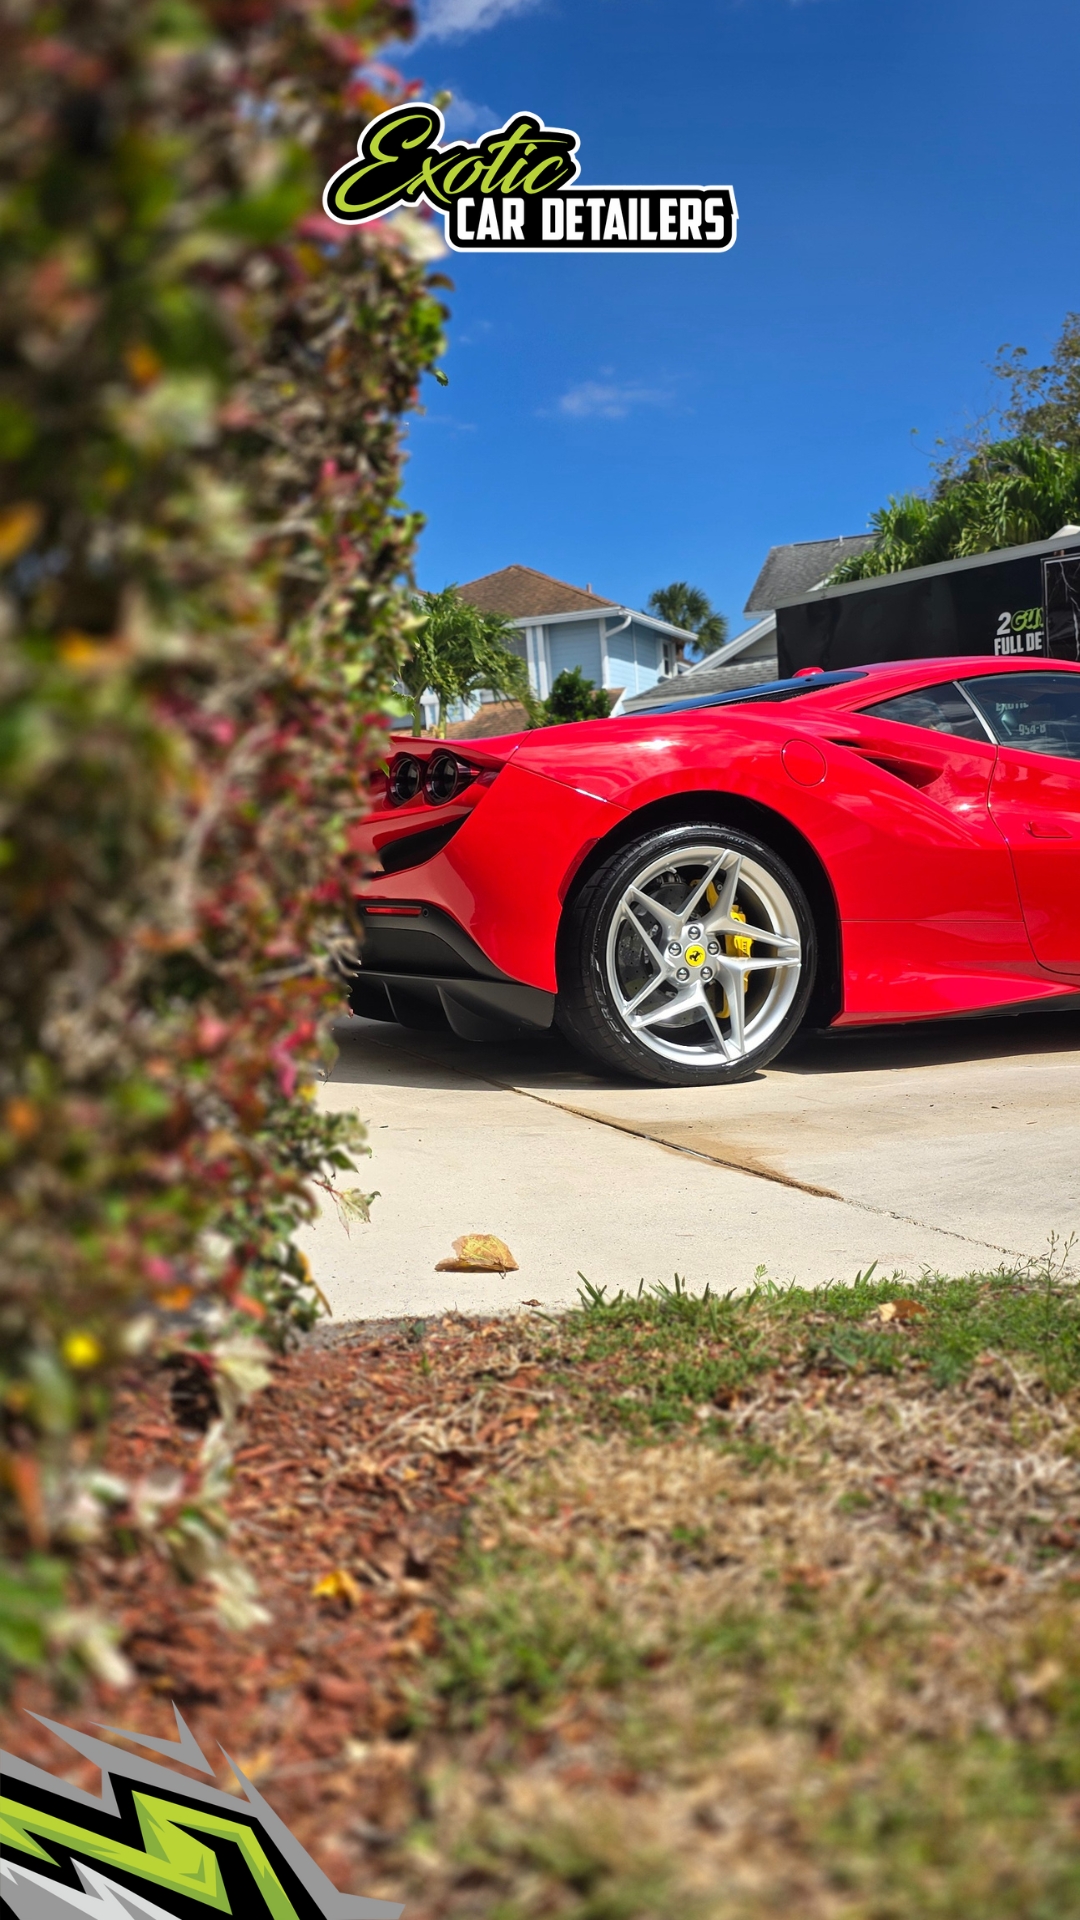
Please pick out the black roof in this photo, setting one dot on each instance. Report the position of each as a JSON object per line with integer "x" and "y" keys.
{"x": 790, "y": 571}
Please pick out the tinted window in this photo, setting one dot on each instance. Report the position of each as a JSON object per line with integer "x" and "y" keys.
{"x": 795, "y": 689}
{"x": 941, "y": 709}
{"x": 1039, "y": 712}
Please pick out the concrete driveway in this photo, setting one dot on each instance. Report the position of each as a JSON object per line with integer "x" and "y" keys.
{"x": 953, "y": 1147}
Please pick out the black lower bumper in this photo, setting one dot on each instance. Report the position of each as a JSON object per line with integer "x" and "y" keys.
{"x": 474, "y": 1009}
{"x": 420, "y": 968}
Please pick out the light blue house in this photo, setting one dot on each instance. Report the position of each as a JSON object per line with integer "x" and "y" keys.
{"x": 561, "y": 627}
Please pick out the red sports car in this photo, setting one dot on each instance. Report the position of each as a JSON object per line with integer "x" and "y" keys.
{"x": 679, "y": 891}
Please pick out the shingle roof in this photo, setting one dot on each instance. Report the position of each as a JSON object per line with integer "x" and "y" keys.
{"x": 492, "y": 718}
{"x": 745, "y": 673}
{"x": 518, "y": 592}
{"x": 723, "y": 656}
{"x": 789, "y": 571}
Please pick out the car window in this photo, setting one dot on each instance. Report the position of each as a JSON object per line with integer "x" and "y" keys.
{"x": 1039, "y": 712}
{"x": 940, "y": 709}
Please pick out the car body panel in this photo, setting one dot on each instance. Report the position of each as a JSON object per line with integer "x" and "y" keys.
{"x": 504, "y": 875}
{"x": 1035, "y": 801}
{"x": 909, "y": 826}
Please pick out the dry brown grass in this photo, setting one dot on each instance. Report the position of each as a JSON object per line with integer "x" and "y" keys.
{"x": 765, "y": 1607}
{"x": 818, "y": 1657}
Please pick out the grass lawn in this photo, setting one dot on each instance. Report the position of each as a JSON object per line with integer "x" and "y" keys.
{"x": 781, "y": 1617}
{"x": 725, "y": 1608}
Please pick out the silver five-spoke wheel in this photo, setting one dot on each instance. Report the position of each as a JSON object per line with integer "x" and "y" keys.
{"x": 696, "y": 957}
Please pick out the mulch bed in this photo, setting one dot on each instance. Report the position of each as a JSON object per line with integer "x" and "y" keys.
{"x": 360, "y": 1459}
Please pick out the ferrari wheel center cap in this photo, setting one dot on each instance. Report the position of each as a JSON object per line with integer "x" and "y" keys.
{"x": 694, "y": 956}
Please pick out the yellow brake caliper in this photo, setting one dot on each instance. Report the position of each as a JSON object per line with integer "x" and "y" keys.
{"x": 734, "y": 943}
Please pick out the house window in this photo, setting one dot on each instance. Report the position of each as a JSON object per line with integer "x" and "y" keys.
{"x": 667, "y": 659}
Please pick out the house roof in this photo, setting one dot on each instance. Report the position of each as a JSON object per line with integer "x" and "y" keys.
{"x": 492, "y": 718}
{"x": 790, "y": 571}
{"x": 760, "y": 630}
{"x": 519, "y": 593}
{"x": 744, "y": 673}
{"x": 1058, "y": 543}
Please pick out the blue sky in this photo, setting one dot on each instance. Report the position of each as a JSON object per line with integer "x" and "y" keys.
{"x": 908, "y": 181}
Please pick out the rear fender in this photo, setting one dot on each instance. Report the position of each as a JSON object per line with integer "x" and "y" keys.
{"x": 749, "y": 816}
{"x": 505, "y": 873}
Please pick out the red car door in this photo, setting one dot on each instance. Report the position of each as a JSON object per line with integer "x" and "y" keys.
{"x": 1035, "y": 800}
{"x": 951, "y": 870}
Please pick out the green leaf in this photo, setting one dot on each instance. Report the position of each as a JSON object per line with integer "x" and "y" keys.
{"x": 353, "y": 1206}
{"x": 30, "y": 1591}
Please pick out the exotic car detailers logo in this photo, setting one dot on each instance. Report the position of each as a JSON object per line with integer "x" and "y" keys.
{"x": 156, "y": 1845}
{"x": 511, "y": 192}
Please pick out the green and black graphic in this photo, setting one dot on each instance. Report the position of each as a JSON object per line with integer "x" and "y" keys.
{"x": 510, "y": 192}
{"x": 156, "y": 1845}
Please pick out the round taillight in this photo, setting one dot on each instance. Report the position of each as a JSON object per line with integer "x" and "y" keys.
{"x": 443, "y": 775}
{"x": 406, "y": 779}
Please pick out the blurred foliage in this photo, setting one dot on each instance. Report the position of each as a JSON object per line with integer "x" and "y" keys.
{"x": 456, "y": 651}
{"x": 201, "y": 605}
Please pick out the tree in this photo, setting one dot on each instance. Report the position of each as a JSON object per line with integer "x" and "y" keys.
{"x": 1009, "y": 492}
{"x": 684, "y": 606}
{"x": 1044, "y": 402}
{"x": 202, "y": 555}
{"x": 572, "y": 697}
{"x": 987, "y": 493}
{"x": 456, "y": 650}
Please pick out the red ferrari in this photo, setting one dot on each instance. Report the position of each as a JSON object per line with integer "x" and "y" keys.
{"x": 681, "y": 890}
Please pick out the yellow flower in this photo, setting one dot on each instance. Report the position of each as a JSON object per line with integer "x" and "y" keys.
{"x": 339, "y": 1585}
{"x": 85, "y": 654}
{"x": 19, "y": 526}
{"x": 82, "y": 1350}
{"x": 143, "y": 364}
{"x": 21, "y": 1117}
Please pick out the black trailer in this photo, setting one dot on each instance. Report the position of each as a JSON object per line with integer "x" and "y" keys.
{"x": 1018, "y": 601}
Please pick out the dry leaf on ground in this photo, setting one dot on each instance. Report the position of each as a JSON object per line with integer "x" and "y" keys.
{"x": 902, "y": 1310}
{"x": 479, "y": 1253}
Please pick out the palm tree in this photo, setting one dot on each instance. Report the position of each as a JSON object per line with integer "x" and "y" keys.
{"x": 682, "y": 605}
{"x": 455, "y": 650}
{"x": 1010, "y": 492}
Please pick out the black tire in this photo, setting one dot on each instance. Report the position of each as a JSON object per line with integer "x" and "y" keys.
{"x": 605, "y": 937}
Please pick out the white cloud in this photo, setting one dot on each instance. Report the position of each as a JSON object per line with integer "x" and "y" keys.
{"x": 463, "y": 117}
{"x": 442, "y": 19}
{"x": 607, "y": 400}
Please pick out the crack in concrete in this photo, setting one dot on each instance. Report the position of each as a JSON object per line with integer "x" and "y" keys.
{"x": 738, "y": 1163}
{"x": 748, "y": 1164}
